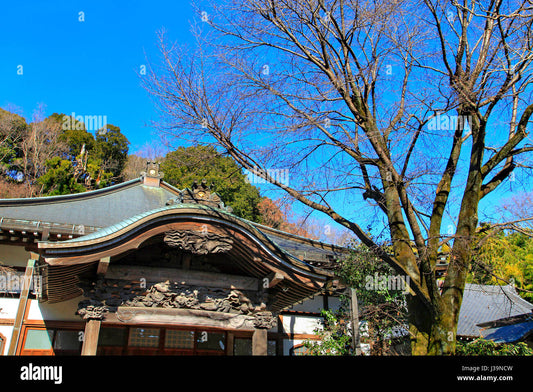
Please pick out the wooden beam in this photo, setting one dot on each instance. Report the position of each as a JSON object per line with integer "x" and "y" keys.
{"x": 103, "y": 265}
{"x": 90, "y": 337}
{"x": 273, "y": 279}
{"x": 189, "y": 277}
{"x": 23, "y": 303}
{"x": 184, "y": 317}
{"x": 187, "y": 261}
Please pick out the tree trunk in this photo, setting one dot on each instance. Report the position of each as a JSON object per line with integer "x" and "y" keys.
{"x": 433, "y": 333}
{"x": 420, "y": 321}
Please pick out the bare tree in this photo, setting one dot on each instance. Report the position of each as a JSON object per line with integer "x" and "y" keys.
{"x": 418, "y": 108}
{"x": 40, "y": 143}
{"x": 517, "y": 212}
{"x": 136, "y": 162}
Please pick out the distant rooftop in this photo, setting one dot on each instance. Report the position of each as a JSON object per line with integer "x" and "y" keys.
{"x": 484, "y": 303}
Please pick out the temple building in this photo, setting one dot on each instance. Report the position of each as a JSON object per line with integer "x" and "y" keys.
{"x": 143, "y": 268}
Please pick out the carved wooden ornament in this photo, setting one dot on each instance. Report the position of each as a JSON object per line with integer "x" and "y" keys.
{"x": 200, "y": 243}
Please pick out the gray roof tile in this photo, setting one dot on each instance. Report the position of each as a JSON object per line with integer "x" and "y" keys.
{"x": 107, "y": 210}
{"x": 509, "y": 333}
{"x": 100, "y": 208}
{"x": 483, "y": 303}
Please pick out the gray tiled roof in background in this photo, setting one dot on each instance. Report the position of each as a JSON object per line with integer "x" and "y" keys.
{"x": 483, "y": 303}
{"x": 508, "y": 330}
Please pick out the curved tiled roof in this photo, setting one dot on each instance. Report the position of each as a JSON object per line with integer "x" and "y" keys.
{"x": 102, "y": 211}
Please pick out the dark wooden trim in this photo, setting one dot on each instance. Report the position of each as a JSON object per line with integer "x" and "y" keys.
{"x": 230, "y": 340}
{"x": 56, "y": 324}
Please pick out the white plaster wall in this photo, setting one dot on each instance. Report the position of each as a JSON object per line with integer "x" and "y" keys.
{"x": 8, "y": 308}
{"x": 296, "y": 324}
{"x": 6, "y": 331}
{"x": 64, "y": 311}
{"x": 8, "y": 311}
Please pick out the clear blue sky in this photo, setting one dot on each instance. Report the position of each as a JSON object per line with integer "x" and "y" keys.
{"x": 88, "y": 67}
{"x": 84, "y": 57}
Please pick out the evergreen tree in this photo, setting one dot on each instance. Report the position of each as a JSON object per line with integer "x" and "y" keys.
{"x": 188, "y": 164}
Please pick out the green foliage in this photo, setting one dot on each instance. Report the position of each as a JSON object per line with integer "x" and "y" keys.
{"x": 488, "y": 347}
{"x": 382, "y": 309}
{"x": 360, "y": 267}
{"x": 59, "y": 178}
{"x": 77, "y": 140}
{"x": 507, "y": 255}
{"x": 382, "y": 306}
{"x": 111, "y": 148}
{"x": 12, "y": 129}
{"x": 8, "y": 154}
{"x": 77, "y": 160}
{"x": 90, "y": 163}
{"x": 334, "y": 338}
{"x": 186, "y": 165}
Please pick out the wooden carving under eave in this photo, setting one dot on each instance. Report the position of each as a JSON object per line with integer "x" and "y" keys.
{"x": 200, "y": 243}
{"x": 106, "y": 296}
{"x": 265, "y": 320}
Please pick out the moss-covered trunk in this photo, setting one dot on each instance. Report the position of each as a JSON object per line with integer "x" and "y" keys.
{"x": 435, "y": 334}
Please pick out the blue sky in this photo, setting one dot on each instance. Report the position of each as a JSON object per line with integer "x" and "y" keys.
{"x": 84, "y": 56}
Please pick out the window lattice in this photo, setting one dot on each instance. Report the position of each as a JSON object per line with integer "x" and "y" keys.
{"x": 144, "y": 337}
{"x": 179, "y": 339}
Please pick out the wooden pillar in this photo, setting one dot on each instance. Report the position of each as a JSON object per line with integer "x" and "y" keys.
{"x": 90, "y": 337}
{"x": 260, "y": 342}
{"x": 356, "y": 342}
{"x": 23, "y": 303}
{"x": 280, "y": 339}
{"x": 229, "y": 343}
